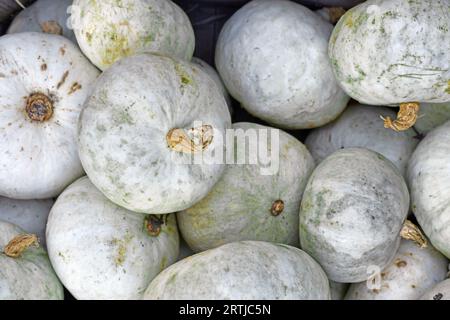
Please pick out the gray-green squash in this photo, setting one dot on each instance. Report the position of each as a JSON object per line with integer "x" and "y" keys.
{"x": 247, "y": 270}
{"x": 352, "y": 212}
{"x": 440, "y": 292}
{"x": 432, "y": 115}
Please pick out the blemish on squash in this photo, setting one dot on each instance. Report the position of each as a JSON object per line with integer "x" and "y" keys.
{"x": 63, "y": 79}
{"x": 43, "y": 67}
{"x": 184, "y": 76}
{"x": 448, "y": 87}
{"x": 89, "y": 37}
{"x": 51, "y": 27}
{"x": 62, "y": 50}
{"x": 118, "y": 47}
{"x": 400, "y": 263}
{"x": 75, "y": 86}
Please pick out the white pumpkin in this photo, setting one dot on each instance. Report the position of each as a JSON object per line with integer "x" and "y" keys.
{"x": 29, "y": 215}
{"x": 391, "y": 52}
{"x": 414, "y": 271}
{"x": 102, "y": 251}
{"x": 440, "y": 292}
{"x": 429, "y": 183}
{"x": 432, "y": 115}
{"x": 144, "y": 135}
{"x": 338, "y": 290}
{"x": 247, "y": 270}
{"x": 272, "y": 57}
{"x": 247, "y": 203}
{"x": 352, "y": 213}
{"x": 49, "y": 16}
{"x": 215, "y": 76}
{"x": 25, "y": 271}
{"x": 44, "y": 80}
{"x": 359, "y": 126}
{"x": 108, "y": 30}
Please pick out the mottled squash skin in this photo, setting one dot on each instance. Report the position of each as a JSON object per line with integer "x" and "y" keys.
{"x": 28, "y": 277}
{"x": 440, "y": 292}
{"x": 432, "y": 115}
{"x": 351, "y": 214}
{"x": 387, "y": 52}
{"x": 429, "y": 183}
{"x": 272, "y": 57}
{"x": 108, "y": 30}
{"x": 247, "y": 270}
{"x": 413, "y": 271}
{"x": 239, "y": 205}
{"x": 102, "y": 251}
{"x": 360, "y": 126}
{"x": 123, "y": 130}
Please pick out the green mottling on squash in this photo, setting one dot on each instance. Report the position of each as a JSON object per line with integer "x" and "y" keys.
{"x": 172, "y": 278}
{"x": 163, "y": 263}
{"x": 185, "y": 79}
{"x": 117, "y": 48}
{"x": 349, "y": 19}
{"x": 448, "y": 87}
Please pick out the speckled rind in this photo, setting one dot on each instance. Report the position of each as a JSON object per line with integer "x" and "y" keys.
{"x": 432, "y": 115}
{"x": 39, "y": 159}
{"x": 413, "y": 271}
{"x": 440, "y": 292}
{"x": 352, "y": 212}
{"x": 109, "y": 30}
{"x": 429, "y": 184}
{"x": 28, "y": 277}
{"x": 34, "y": 17}
{"x": 102, "y": 251}
{"x": 272, "y": 57}
{"x": 239, "y": 206}
{"x": 123, "y": 129}
{"x": 360, "y": 126}
{"x": 387, "y": 52}
{"x": 247, "y": 270}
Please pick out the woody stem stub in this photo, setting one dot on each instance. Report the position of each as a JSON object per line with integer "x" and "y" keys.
{"x": 39, "y": 107}
{"x": 190, "y": 141}
{"x": 19, "y": 244}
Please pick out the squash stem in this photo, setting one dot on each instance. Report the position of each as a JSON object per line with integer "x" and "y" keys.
{"x": 39, "y": 107}
{"x": 412, "y": 232}
{"x": 406, "y": 117}
{"x": 19, "y": 244}
{"x": 191, "y": 141}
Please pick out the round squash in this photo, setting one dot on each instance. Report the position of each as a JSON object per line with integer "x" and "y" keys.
{"x": 247, "y": 270}
{"x": 272, "y": 57}
{"x": 215, "y": 76}
{"x": 25, "y": 271}
{"x": 432, "y": 115}
{"x": 413, "y": 272}
{"x": 352, "y": 213}
{"x": 429, "y": 184}
{"x": 49, "y": 16}
{"x": 248, "y": 203}
{"x": 109, "y": 30}
{"x": 145, "y": 136}
{"x": 29, "y": 215}
{"x": 102, "y": 251}
{"x": 440, "y": 292}
{"x": 394, "y": 52}
{"x": 44, "y": 81}
{"x": 358, "y": 126}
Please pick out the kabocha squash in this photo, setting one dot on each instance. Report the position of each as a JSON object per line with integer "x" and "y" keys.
{"x": 247, "y": 203}
{"x": 44, "y": 80}
{"x": 30, "y": 215}
{"x": 430, "y": 185}
{"x": 272, "y": 57}
{"x": 102, "y": 251}
{"x": 359, "y": 126}
{"x": 432, "y": 115}
{"x": 440, "y": 292}
{"x": 108, "y": 30}
{"x": 215, "y": 76}
{"x": 49, "y": 16}
{"x": 249, "y": 270}
{"x": 25, "y": 271}
{"x": 352, "y": 213}
{"x": 150, "y": 132}
{"x": 394, "y": 52}
{"x": 414, "y": 271}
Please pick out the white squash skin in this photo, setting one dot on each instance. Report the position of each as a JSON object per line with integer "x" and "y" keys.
{"x": 39, "y": 159}
{"x": 132, "y": 111}
{"x": 107, "y": 32}
{"x": 440, "y": 292}
{"x": 239, "y": 205}
{"x": 272, "y": 57}
{"x": 247, "y": 270}
{"x": 28, "y": 277}
{"x": 29, "y": 215}
{"x": 413, "y": 272}
{"x": 102, "y": 251}
{"x": 32, "y": 18}
{"x": 338, "y": 290}
{"x": 432, "y": 116}
{"x": 430, "y": 186}
{"x": 386, "y": 52}
{"x": 360, "y": 126}
{"x": 352, "y": 212}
